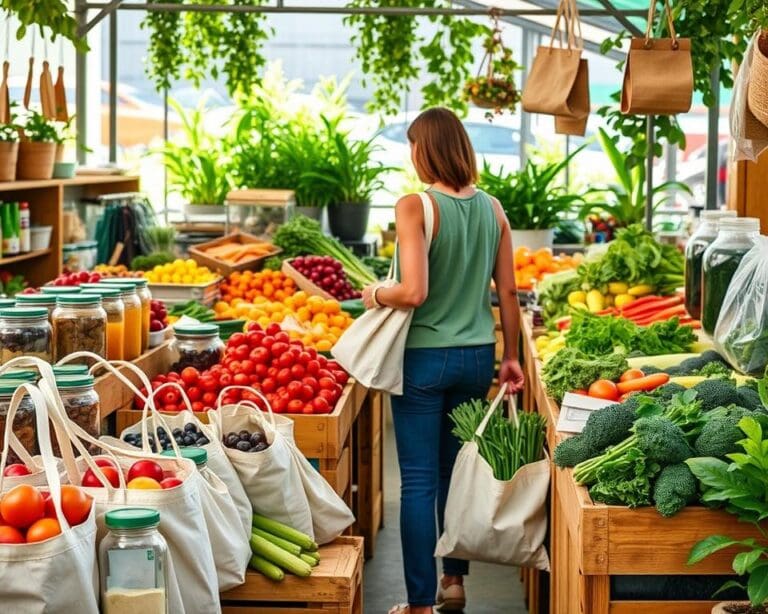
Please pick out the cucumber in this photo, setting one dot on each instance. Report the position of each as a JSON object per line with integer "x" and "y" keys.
{"x": 314, "y": 555}
{"x": 312, "y": 562}
{"x": 277, "y": 556}
{"x": 273, "y": 572}
{"x": 281, "y": 530}
{"x": 279, "y": 541}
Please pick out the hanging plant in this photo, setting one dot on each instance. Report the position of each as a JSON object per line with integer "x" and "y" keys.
{"x": 163, "y": 58}
{"x": 52, "y": 14}
{"x": 495, "y": 88}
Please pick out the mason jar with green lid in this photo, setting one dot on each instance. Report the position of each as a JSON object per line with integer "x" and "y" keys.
{"x": 79, "y": 325}
{"x": 81, "y": 402}
{"x": 8, "y": 302}
{"x": 145, "y": 297}
{"x": 112, "y": 301}
{"x": 70, "y": 369}
{"x": 59, "y": 290}
{"x": 132, "y": 316}
{"x": 37, "y": 300}
{"x": 24, "y": 375}
{"x": 24, "y": 425}
{"x": 199, "y": 456}
{"x": 133, "y": 565}
{"x": 195, "y": 345}
{"x": 24, "y": 331}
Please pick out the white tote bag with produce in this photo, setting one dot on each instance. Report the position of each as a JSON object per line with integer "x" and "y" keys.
{"x": 491, "y": 520}
{"x": 371, "y": 350}
{"x": 60, "y": 574}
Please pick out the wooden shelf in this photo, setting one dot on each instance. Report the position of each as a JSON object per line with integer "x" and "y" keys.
{"x": 27, "y": 256}
{"x": 78, "y": 181}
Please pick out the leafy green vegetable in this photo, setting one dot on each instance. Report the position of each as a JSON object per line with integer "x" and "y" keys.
{"x": 675, "y": 488}
{"x": 746, "y": 346}
{"x": 571, "y": 369}
{"x": 553, "y": 293}
{"x": 192, "y": 309}
{"x": 146, "y": 263}
{"x": 378, "y": 264}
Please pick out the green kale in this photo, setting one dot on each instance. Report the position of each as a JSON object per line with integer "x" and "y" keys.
{"x": 699, "y": 365}
{"x": 625, "y": 482}
{"x": 571, "y": 369}
{"x": 675, "y": 488}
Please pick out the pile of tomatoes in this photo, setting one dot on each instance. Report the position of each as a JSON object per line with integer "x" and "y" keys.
{"x": 27, "y": 514}
{"x": 293, "y": 378}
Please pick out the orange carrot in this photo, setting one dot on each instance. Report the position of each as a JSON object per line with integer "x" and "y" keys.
{"x": 644, "y": 384}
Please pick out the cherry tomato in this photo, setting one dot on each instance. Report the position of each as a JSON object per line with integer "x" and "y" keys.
{"x": 242, "y": 351}
{"x": 295, "y": 406}
{"x": 240, "y": 379}
{"x": 145, "y": 469}
{"x": 307, "y": 392}
{"x": 324, "y": 373}
{"x": 236, "y": 340}
{"x": 279, "y": 405}
{"x": 209, "y": 399}
{"x": 294, "y": 389}
{"x": 171, "y": 408}
{"x": 326, "y": 383}
{"x": 254, "y": 379}
{"x": 323, "y": 361}
{"x": 329, "y": 395}
{"x": 272, "y": 372}
{"x": 321, "y": 405}
{"x": 308, "y": 409}
{"x": 225, "y": 379}
{"x": 43, "y": 529}
{"x": 208, "y": 383}
{"x": 105, "y": 462}
{"x": 235, "y": 366}
{"x": 160, "y": 379}
{"x": 198, "y": 406}
{"x": 171, "y": 397}
{"x": 333, "y": 365}
{"x": 75, "y": 504}
{"x": 260, "y": 355}
{"x": 110, "y": 473}
{"x": 254, "y": 338}
{"x": 273, "y": 329}
{"x": 278, "y": 349}
{"x": 342, "y": 377}
{"x": 604, "y": 389}
{"x": 260, "y": 370}
{"x": 247, "y": 367}
{"x": 255, "y": 326}
{"x": 313, "y": 367}
{"x": 174, "y": 377}
{"x": 22, "y": 506}
{"x": 283, "y": 376}
{"x": 194, "y": 393}
{"x": 269, "y": 384}
{"x": 267, "y": 342}
{"x": 282, "y": 337}
{"x": 285, "y": 360}
{"x": 312, "y": 382}
{"x": 631, "y": 374}
{"x": 10, "y": 535}
{"x": 297, "y": 371}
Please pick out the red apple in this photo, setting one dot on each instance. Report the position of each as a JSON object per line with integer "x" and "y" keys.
{"x": 16, "y": 469}
{"x": 110, "y": 473}
{"x": 171, "y": 483}
{"x": 145, "y": 469}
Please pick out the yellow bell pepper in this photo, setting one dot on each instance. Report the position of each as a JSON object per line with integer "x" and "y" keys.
{"x": 618, "y": 287}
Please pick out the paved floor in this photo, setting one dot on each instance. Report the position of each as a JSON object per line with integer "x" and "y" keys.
{"x": 491, "y": 589}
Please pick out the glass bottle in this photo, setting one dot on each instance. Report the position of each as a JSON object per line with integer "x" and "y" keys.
{"x": 195, "y": 345}
{"x": 131, "y": 318}
{"x": 133, "y": 565}
{"x": 735, "y": 238}
{"x": 79, "y": 325}
{"x": 145, "y": 296}
{"x": 24, "y": 331}
{"x": 701, "y": 239}
{"x": 111, "y": 300}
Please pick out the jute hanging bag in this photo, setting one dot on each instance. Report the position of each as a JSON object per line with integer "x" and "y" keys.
{"x": 576, "y": 125}
{"x": 658, "y": 74}
{"x": 758, "y": 79}
{"x": 558, "y": 82}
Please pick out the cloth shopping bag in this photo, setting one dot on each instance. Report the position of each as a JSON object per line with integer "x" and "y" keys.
{"x": 491, "y": 520}
{"x": 558, "y": 83}
{"x": 371, "y": 350}
{"x": 59, "y": 574}
{"x": 658, "y": 74}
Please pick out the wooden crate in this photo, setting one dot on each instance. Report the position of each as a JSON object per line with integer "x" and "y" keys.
{"x": 198, "y": 254}
{"x": 303, "y": 283}
{"x": 368, "y": 499}
{"x": 335, "y": 586}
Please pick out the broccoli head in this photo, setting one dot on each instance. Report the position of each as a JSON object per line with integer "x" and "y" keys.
{"x": 716, "y": 369}
{"x": 667, "y": 391}
{"x": 675, "y": 488}
{"x": 608, "y": 426}
{"x": 572, "y": 451}
{"x": 720, "y": 432}
{"x": 661, "y": 440}
{"x": 709, "y": 361}
{"x": 748, "y": 398}
{"x": 650, "y": 370}
{"x": 714, "y": 393}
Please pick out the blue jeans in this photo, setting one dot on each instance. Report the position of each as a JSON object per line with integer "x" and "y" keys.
{"x": 435, "y": 380}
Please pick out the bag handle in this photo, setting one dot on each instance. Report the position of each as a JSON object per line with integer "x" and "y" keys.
{"x": 493, "y": 407}
{"x": 269, "y": 427}
{"x": 564, "y": 12}
{"x": 670, "y": 24}
{"x": 429, "y": 227}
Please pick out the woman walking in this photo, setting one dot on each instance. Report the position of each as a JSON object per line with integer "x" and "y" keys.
{"x": 449, "y": 356}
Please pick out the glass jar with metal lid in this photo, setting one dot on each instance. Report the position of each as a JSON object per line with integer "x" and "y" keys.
{"x": 131, "y": 318}
{"x": 24, "y": 331}
{"x": 735, "y": 237}
{"x": 195, "y": 345}
{"x": 24, "y": 425}
{"x": 59, "y": 290}
{"x": 145, "y": 296}
{"x": 81, "y": 402}
{"x": 37, "y": 300}
{"x": 79, "y": 325}
{"x": 701, "y": 239}
{"x": 111, "y": 300}
{"x": 133, "y": 564}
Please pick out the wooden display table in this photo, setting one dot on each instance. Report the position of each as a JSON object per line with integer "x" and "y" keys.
{"x": 335, "y": 586}
{"x": 590, "y": 542}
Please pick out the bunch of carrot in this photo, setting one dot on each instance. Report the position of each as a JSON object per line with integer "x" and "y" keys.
{"x": 649, "y": 309}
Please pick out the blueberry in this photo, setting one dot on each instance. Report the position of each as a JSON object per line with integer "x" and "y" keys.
{"x": 202, "y": 441}
{"x": 231, "y": 440}
{"x": 243, "y": 446}
{"x": 254, "y": 449}
{"x": 190, "y": 428}
{"x": 161, "y": 432}
{"x": 244, "y": 435}
{"x": 262, "y": 445}
{"x": 177, "y": 432}
{"x": 256, "y": 438}
{"x": 188, "y": 441}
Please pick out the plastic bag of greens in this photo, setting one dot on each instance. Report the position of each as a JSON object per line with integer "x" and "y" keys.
{"x": 741, "y": 333}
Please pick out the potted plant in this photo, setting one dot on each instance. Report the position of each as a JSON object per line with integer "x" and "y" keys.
{"x": 624, "y": 201}
{"x": 348, "y": 177}
{"x": 197, "y": 168}
{"x": 9, "y": 151}
{"x": 37, "y": 147}
{"x": 533, "y": 202}
{"x": 62, "y": 168}
{"x": 741, "y": 487}
{"x": 496, "y": 89}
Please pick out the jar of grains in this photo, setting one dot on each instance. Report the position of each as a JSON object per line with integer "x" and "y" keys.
{"x": 79, "y": 325}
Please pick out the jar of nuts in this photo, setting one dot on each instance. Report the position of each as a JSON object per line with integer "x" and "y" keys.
{"x": 24, "y": 421}
{"x": 195, "y": 345}
{"x": 81, "y": 402}
{"x": 79, "y": 325}
{"x": 24, "y": 331}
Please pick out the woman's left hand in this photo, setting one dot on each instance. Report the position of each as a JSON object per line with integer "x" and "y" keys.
{"x": 368, "y": 296}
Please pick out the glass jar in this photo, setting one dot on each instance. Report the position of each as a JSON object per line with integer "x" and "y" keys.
{"x": 145, "y": 297}
{"x": 25, "y": 375}
{"x": 735, "y": 238}
{"x": 59, "y": 290}
{"x": 7, "y": 302}
{"x": 195, "y": 345}
{"x": 79, "y": 325}
{"x": 24, "y": 425}
{"x": 81, "y": 402}
{"x": 112, "y": 302}
{"x": 701, "y": 239}
{"x": 24, "y": 331}
{"x": 131, "y": 317}
{"x": 37, "y": 300}
{"x": 133, "y": 566}
{"x": 199, "y": 456}
{"x": 70, "y": 369}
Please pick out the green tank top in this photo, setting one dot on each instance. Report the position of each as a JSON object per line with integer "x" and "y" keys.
{"x": 457, "y": 311}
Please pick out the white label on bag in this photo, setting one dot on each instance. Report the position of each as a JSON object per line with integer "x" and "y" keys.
{"x": 136, "y": 568}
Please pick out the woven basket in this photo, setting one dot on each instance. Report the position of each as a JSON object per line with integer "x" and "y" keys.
{"x": 509, "y": 102}
{"x": 9, "y": 153}
{"x": 758, "y": 82}
{"x": 35, "y": 160}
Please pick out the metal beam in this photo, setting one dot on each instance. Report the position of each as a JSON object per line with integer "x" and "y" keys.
{"x": 649, "y": 173}
{"x": 713, "y": 140}
{"x": 620, "y": 16}
{"x": 81, "y": 64}
{"x": 113, "y": 87}
{"x": 106, "y": 11}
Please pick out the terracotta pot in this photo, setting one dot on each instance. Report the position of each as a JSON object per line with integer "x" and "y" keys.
{"x": 9, "y": 153}
{"x": 35, "y": 160}
{"x": 720, "y": 608}
{"x": 758, "y": 80}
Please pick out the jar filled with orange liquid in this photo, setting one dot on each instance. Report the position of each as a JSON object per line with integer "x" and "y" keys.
{"x": 131, "y": 319}
{"x": 145, "y": 296}
{"x": 112, "y": 302}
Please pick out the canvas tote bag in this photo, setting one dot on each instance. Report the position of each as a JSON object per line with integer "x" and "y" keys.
{"x": 558, "y": 83}
{"x": 491, "y": 520}
{"x": 371, "y": 349}
{"x": 59, "y": 574}
{"x": 658, "y": 75}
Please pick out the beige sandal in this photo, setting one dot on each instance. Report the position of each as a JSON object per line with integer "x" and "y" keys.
{"x": 400, "y": 608}
{"x": 451, "y": 598}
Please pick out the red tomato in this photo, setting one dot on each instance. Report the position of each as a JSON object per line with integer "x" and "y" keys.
{"x": 43, "y": 529}
{"x": 146, "y": 469}
{"x": 297, "y": 371}
{"x": 295, "y": 406}
{"x": 194, "y": 393}
{"x": 267, "y": 342}
{"x": 326, "y": 383}
{"x": 160, "y": 378}
{"x": 321, "y": 405}
{"x": 604, "y": 389}
{"x": 282, "y": 337}
{"x": 189, "y": 375}
{"x": 283, "y": 376}
{"x": 174, "y": 377}
{"x": 269, "y": 384}
{"x": 254, "y": 337}
{"x": 171, "y": 408}
{"x": 631, "y": 374}
{"x": 22, "y": 506}
{"x": 75, "y": 504}
{"x": 323, "y": 361}
{"x": 294, "y": 389}
{"x": 236, "y": 340}
{"x": 323, "y": 373}
{"x": 307, "y": 392}
{"x": 241, "y": 352}
{"x": 304, "y": 358}
{"x": 209, "y": 399}
{"x": 240, "y": 379}
{"x": 15, "y": 470}
{"x": 313, "y": 367}
{"x": 260, "y": 355}
{"x": 329, "y": 395}
{"x": 312, "y": 382}
{"x": 10, "y": 535}
{"x": 278, "y": 349}
{"x": 279, "y": 405}
{"x": 208, "y": 383}
{"x": 308, "y": 409}
{"x": 247, "y": 367}
{"x": 342, "y": 377}
{"x": 171, "y": 397}
{"x": 170, "y": 483}
{"x": 284, "y": 360}
{"x": 272, "y": 372}
{"x": 273, "y": 329}
{"x": 105, "y": 462}
{"x": 110, "y": 473}
{"x": 261, "y": 370}
{"x": 198, "y": 406}
{"x": 225, "y": 379}
{"x": 254, "y": 326}
{"x": 333, "y": 365}
{"x": 235, "y": 366}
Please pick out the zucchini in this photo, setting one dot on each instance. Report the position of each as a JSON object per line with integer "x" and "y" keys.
{"x": 312, "y": 562}
{"x": 277, "y": 556}
{"x": 278, "y": 541}
{"x": 314, "y": 555}
{"x": 273, "y": 572}
{"x": 660, "y": 362}
{"x": 282, "y": 530}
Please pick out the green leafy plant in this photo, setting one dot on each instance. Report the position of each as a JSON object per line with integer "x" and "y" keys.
{"x": 164, "y": 60}
{"x": 625, "y": 200}
{"x": 52, "y": 14}
{"x": 39, "y": 129}
{"x": 198, "y": 169}
{"x": 741, "y": 486}
{"x": 531, "y": 198}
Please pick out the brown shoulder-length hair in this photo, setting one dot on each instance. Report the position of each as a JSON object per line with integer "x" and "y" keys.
{"x": 443, "y": 150}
